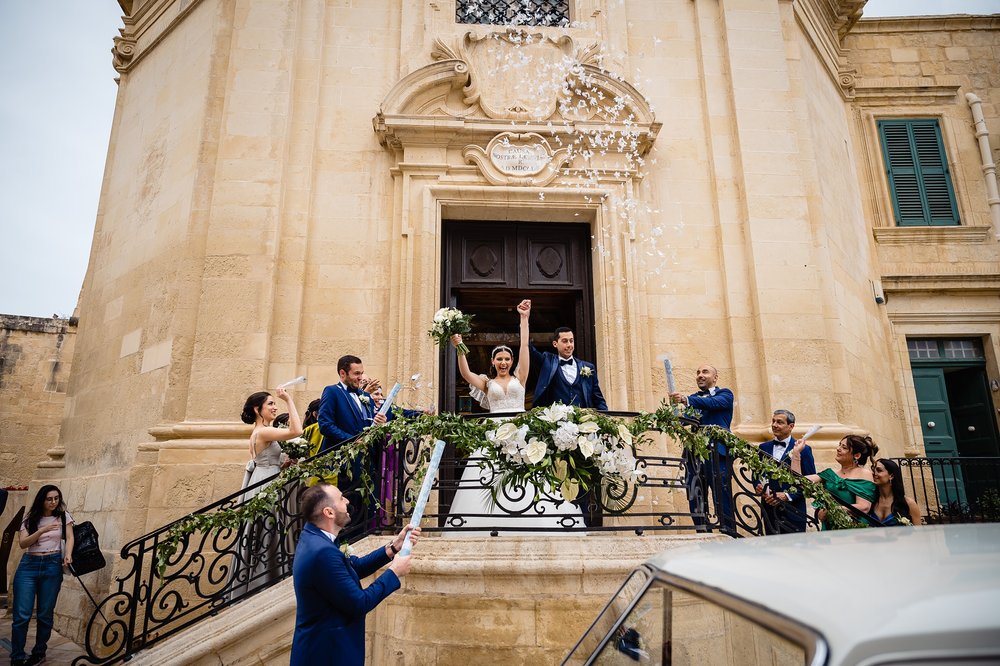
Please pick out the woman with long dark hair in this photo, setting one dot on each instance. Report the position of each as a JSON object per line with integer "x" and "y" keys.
{"x": 852, "y": 483}
{"x": 39, "y": 574}
{"x": 892, "y": 507}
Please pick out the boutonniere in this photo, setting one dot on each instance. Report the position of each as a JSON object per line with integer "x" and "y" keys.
{"x": 347, "y": 549}
{"x": 365, "y": 400}
{"x": 586, "y": 371}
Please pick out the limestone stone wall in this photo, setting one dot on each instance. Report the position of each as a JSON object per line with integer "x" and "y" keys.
{"x": 36, "y": 356}
{"x": 938, "y": 281}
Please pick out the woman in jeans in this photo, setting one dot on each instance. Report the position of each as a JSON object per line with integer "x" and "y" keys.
{"x": 39, "y": 575}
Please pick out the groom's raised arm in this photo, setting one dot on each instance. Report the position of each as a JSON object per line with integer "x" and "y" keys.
{"x": 535, "y": 355}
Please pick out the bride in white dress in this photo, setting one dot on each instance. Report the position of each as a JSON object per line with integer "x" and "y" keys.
{"x": 473, "y": 505}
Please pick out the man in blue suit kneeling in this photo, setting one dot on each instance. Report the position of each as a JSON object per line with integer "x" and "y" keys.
{"x": 330, "y": 603}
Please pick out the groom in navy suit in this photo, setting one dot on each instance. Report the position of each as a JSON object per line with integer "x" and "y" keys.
{"x": 563, "y": 378}
{"x": 330, "y": 604}
{"x": 782, "y": 506}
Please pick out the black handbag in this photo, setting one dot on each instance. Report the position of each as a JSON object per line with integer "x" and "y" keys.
{"x": 87, "y": 555}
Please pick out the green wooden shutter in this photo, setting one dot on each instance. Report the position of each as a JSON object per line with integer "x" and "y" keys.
{"x": 919, "y": 181}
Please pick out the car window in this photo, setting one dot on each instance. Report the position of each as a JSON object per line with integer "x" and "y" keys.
{"x": 702, "y": 632}
{"x": 606, "y": 621}
{"x": 669, "y": 626}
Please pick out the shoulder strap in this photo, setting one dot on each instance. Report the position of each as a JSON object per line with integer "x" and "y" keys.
{"x": 63, "y": 516}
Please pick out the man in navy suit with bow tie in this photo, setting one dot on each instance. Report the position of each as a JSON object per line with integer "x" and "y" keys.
{"x": 716, "y": 407}
{"x": 566, "y": 379}
{"x": 345, "y": 410}
{"x": 782, "y": 506}
{"x": 330, "y": 604}
{"x": 563, "y": 378}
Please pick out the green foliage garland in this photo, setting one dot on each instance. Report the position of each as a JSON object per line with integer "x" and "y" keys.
{"x": 564, "y": 469}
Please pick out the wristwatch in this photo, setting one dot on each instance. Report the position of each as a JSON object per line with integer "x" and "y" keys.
{"x": 392, "y": 547}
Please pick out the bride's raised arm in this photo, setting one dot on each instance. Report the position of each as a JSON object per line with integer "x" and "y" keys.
{"x": 523, "y": 355}
{"x": 468, "y": 375}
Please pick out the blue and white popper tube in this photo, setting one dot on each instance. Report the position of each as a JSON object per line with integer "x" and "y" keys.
{"x": 387, "y": 405}
{"x": 293, "y": 382}
{"x": 671, "y": 385}
{"x": 425, "y": 492}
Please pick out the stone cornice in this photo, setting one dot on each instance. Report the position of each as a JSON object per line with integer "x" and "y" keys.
{"x": 145, "y": 29}
{"x": 950, "y": 23}
{"x": 37, "y": 324}
{"x": 964, "y": 282}
{"x": 883, "y": 92}
{"x": 925, "y": 235}
{"x": 825, "y": 23}
{"x": 945, "y": 318}
{"x": 203, "y": 430}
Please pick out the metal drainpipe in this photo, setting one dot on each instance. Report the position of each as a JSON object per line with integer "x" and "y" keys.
{"x": 989, "y": 168}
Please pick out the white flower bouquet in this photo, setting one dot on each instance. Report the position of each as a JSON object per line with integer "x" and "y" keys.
{"x": 296, "y": 448}
{"x": 566, "y": 447}
{"x": 448, "y": 322}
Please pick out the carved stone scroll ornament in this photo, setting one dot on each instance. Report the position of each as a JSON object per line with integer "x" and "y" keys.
{"x": 123, "y": 51}
{"x": 518, "y": 159}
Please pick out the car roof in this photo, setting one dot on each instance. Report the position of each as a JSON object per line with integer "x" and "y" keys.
{"x": 866, "y": 591}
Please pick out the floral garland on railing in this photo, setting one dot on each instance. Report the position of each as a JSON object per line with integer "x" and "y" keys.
{"x": 567, "y": 448}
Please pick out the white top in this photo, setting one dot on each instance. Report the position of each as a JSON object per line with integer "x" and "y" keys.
{"x": 496, "y": 399}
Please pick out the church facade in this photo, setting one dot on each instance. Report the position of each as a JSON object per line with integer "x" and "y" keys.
{"x": 806, "y": 200}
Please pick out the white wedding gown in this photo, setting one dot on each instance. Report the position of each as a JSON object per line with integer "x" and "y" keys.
{"x": 473, "y": 505}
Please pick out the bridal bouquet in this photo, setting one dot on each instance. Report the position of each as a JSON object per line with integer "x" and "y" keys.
{"x": 448, "y": 322}
{"x": 568, "y": 447}
{"x": 296, "y": 448}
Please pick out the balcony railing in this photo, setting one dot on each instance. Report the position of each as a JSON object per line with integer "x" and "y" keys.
{"x": 953, "y": 490}
{"x": 216, "y": 568}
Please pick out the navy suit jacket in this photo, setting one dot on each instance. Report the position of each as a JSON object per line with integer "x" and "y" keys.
{"x": 548, "y": 366}
{"x": 715, "y": 410}
{"x": 330, "y": 602}
{"x": 340, "y": 418}
{"x": 808, "y": 467}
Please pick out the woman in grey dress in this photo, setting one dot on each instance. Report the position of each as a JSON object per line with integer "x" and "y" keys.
{"x": 262, "y": 553}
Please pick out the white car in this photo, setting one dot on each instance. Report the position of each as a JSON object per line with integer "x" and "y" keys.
{"x": 878, "y": 596}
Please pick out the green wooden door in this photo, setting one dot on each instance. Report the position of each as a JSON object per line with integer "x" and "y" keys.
{"x": 975, "y": 428}
{"x": 938, "y": 431}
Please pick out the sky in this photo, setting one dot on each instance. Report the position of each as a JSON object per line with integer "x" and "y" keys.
{"x": 55, "y": 119}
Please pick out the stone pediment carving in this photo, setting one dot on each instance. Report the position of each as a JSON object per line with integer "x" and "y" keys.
{"x": 547, "y": 85}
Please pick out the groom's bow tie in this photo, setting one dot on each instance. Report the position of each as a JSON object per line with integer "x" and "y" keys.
{"x": 567, "y": 361}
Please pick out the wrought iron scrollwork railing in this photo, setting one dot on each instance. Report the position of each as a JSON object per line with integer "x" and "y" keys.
{"x": 216, "y": 568}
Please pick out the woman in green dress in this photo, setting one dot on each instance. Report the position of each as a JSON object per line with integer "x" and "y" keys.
{"x": 852, "y": 483}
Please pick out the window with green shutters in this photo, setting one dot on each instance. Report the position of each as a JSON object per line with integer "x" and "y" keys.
{"x": 922, "y": 194}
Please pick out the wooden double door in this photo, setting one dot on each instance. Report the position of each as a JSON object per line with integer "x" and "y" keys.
{"x": 489, "y": 267}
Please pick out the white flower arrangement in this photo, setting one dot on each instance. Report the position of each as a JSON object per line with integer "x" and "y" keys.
{"x": 347, "y": 549}
{"x": 365, "y": 400}
{"x": 568, "y": 447}
{"x": 586, "y": 371}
